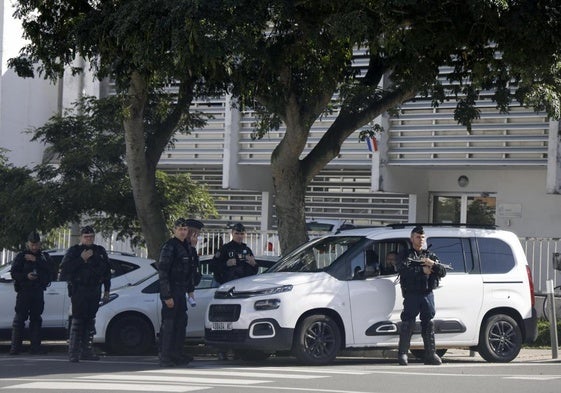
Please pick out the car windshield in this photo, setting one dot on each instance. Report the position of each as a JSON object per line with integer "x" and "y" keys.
{"x": 315, "y": 256}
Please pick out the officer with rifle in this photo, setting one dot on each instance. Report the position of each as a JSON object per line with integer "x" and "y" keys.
{"x": 419, "y": 273}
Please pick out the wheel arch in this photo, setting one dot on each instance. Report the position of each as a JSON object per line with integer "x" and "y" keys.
{"x": 334, "y": 315}
{"x": 511, "y": 312}
{"x": 116, "y": 318}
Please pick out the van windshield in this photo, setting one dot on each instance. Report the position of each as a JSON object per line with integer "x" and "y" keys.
{"x": 315, "y": 256}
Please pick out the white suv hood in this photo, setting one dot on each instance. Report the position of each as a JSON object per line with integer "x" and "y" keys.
{"x": 271, "y": 280}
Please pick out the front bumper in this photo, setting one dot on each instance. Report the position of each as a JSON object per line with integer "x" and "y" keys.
{"x": 263, "y": 334}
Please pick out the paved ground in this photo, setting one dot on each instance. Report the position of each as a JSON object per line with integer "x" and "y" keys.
{"x": 526, "y": 354}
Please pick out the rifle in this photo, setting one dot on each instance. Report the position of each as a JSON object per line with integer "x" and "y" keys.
{"x": 418, "y": 262}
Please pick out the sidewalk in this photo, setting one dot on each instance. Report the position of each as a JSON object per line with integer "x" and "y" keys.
{"x": 525, "y": 355}
{"x": 464, "y": 355}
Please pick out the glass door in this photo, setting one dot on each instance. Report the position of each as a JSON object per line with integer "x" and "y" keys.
{"x": 463, "y": 209}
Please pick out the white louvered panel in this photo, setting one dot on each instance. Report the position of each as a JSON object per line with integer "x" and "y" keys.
{"x": 431, "y": 136}
{"x": 202, "y": 146}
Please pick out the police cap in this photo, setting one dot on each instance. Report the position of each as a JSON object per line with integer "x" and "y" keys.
{"x": 180, "y": 222}
{"x": 238, "y": 227}
{"x": 86, "y": 230}
{"x": 33, "y": 237}
{"x": 192, "y": 223}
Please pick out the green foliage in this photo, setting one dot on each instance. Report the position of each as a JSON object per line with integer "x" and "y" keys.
{"x": 26, "y": 205}
{"x": 90, "y": 175}
{"x": 544, "y": 334}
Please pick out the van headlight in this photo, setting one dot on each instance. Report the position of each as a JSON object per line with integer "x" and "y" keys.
{"x": 274, "y": 290}
{"x": 267, "y": 304}
{"x": 112, "y": 296}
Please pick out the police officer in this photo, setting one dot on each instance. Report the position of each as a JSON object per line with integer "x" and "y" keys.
{"x": 85, "y": 267}
{"x": 32, "y": 273}
{"x": 234, "y": 259}
{"x": 178, "y": 275}
{"x": 419, "y": 273}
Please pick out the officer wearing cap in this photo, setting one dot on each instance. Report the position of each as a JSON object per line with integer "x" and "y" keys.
{"x": 178, "y": 275}
{"x": 419, "y": 273}
{"x": 85, "y": 267}
{"x": 32, "y": 272}
{"x": 234, "y": 259}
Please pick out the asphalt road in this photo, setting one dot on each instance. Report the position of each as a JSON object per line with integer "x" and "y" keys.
{"x": 533, "y": 371}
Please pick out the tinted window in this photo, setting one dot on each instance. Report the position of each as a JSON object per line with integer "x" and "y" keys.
{"x": 496, "y": 256}
{"x": 453, "y": 251}
{"x": 118, "y": 268}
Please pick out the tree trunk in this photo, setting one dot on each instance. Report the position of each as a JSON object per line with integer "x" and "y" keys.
{"x": 141, "y": 171}
{"x": 290, "y": 192}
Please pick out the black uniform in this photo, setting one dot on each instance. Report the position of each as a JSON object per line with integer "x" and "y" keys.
{"x": 178, "y": 274}
{"x": 239, "y": 251}
{"x": 418, "y": 298}
{"x": 84, "y": 287}
{"x": 29, "y": 299}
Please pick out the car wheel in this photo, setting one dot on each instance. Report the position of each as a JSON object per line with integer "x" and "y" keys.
{"x": 420, "y": 353}
{"x": 317, "y": 340}
{"x": 251, "y": 355}
{"x": 130, "y": 335}
{"x": 500, "y": 339}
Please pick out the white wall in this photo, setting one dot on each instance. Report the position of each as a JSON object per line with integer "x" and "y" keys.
{"x": 24, "y": 103}
{"x": 523, "y": 205}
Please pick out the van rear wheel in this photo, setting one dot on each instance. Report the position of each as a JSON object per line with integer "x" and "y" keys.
{"x": 317, "y": 340}
{"x": 500, "y": 339}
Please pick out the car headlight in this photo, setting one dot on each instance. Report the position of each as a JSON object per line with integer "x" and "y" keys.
{"x": 274, "y": 290}
{"x": 112, "y": 296}
{"x": 267, "y": 304}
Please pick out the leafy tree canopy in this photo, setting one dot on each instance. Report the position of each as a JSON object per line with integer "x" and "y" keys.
{"x": 173, "y": 49}
{"x": 91, "y": 174}
{"x": 374, "y": 55}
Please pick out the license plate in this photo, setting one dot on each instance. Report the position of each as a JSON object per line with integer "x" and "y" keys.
{"x": 222, "y": 326}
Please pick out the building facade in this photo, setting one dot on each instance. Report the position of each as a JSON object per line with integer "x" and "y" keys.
{"x": 426, "y": 167}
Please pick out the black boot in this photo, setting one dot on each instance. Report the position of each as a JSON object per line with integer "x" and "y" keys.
{"x": 405, "y": 332}
{"x": 166, "y": 343}
{"x": 35, "y": 337}
{"x": 430, "y": 346}
{"x": 17, "y": 335}
{"x": 178, "y": 356}
{"x": 88, "y": 334}
{"x": 74, "y": 342}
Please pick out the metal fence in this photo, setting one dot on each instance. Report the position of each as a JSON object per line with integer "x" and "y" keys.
{"x": 539, "y": 251}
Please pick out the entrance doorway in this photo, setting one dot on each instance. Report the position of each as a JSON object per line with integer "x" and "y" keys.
{"x": 475, "y": 209}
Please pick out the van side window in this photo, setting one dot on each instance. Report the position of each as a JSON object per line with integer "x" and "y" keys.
{"x": 496, "y": 256}
{"x": 453, "y": 251}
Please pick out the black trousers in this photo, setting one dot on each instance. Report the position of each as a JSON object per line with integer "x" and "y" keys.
{"x": 85, "y": 301}
{"x": 418, "y": 303}
{"x": 29, "y": 303}
{"x": 174, "y": 323}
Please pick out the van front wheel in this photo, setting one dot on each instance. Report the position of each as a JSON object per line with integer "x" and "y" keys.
{"x": 317, "y": 340}
{"x": 500, "y": 339}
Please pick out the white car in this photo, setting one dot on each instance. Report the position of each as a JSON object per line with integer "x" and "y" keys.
{"x": 126, "y": 269}
{"x": 129, "y": 323}
{"x": 329, "y": 294}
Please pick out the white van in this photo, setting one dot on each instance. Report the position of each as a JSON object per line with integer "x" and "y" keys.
{"x": 328, "y": 295}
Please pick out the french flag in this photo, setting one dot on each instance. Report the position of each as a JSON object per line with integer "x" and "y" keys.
{"x": 372, "y": 144}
